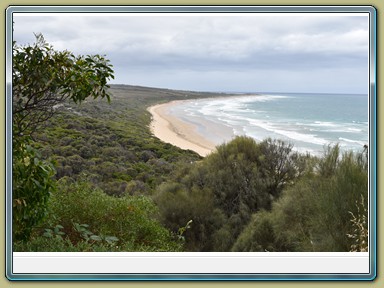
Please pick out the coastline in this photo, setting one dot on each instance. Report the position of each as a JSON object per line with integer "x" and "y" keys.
{"x": 201, "y": 126}
{"x": 172, "y": 130}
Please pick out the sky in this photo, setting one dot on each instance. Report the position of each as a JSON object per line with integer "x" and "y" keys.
{"x": 315, "y": 53}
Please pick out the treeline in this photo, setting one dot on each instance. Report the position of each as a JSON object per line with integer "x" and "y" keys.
{"x": 121, "y": 189}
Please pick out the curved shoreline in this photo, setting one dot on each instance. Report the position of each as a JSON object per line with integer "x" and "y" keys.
{"x": 174, "y": 131}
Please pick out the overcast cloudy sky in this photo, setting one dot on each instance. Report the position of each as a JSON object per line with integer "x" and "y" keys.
{"x": 248, "y": 53}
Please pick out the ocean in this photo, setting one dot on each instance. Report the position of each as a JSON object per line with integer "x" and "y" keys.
{"x": 308, "y": 121}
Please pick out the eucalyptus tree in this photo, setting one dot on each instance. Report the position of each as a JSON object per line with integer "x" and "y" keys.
{"x": 42, "y": 79}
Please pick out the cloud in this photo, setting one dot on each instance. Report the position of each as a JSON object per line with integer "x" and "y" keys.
{"x": 204, "y": 47}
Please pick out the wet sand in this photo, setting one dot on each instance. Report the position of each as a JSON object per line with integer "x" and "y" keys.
{"x": 173, "y": 130}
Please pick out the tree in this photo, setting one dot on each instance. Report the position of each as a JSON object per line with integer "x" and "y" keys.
{"x": 221, "y": 192}
{"x": 324, "y": 212}
{"x": 43, "y": 78}
{"x": 32, "y": 185}
{"x": 280, "y": 165}
{"x": 245, "y": 172}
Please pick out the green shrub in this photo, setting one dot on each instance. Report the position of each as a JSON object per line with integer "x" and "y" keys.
{"x": 32, "y": 183}
{"x": 258, "y": 235}
{"x": 314, "y": 214}
{"x": 132, "y": 219}
{"x": 237, "y": 180}
{"x": 177, "y": 206}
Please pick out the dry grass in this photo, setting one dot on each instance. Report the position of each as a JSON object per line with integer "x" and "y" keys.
{"x": 360, "y": 228}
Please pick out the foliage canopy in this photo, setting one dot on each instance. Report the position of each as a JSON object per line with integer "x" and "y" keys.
{"x": 43, "y": 78}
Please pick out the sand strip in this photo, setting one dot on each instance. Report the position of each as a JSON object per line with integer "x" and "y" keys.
{"x": 172, "y": 130}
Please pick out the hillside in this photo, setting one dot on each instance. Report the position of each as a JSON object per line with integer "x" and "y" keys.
{"x": 119, "y": 188}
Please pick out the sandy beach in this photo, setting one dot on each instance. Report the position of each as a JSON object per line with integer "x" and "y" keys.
{"x": 172, "y": 130}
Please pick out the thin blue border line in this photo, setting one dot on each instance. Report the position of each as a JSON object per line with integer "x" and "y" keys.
{"x": 192, "y": 277}
{"x": 375, "y": 204}
{"x": 188, "y": 9}
{"x": 8, "y": 145}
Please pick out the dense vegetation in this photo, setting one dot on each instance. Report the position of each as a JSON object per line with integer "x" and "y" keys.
{"x": 252, "y": 196}
{"x": 92, "y": 177}
{"x": 42, "y": 79}
{"x": 107, "y": 148}
{"x": 121, "y": 189}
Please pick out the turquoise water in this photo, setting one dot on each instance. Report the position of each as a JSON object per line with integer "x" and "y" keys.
{"x": 308, "y": 121}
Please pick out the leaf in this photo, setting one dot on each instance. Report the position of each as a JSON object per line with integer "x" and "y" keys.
{"x": 48, "y": 233}
{"x": 95, "y": 238}
{"x": 37, "y": 183}
{"x": 111, "y": 239}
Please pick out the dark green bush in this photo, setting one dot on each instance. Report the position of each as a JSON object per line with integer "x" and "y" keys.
{"x": 32, "y": 183}
{"x": 132, "y": 219}
{"x": 258, "y": 236}
{"x": 316, "y": 213}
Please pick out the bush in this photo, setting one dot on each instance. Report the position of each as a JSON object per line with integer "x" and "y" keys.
{"x": 239, "y": 179}
{"x": 32, "y": 182}
{"x": 178, "y": 206}
{"x": 132, "y": 219}
{"x": 319, "y": 212}
{"x": 258, "y": 236}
